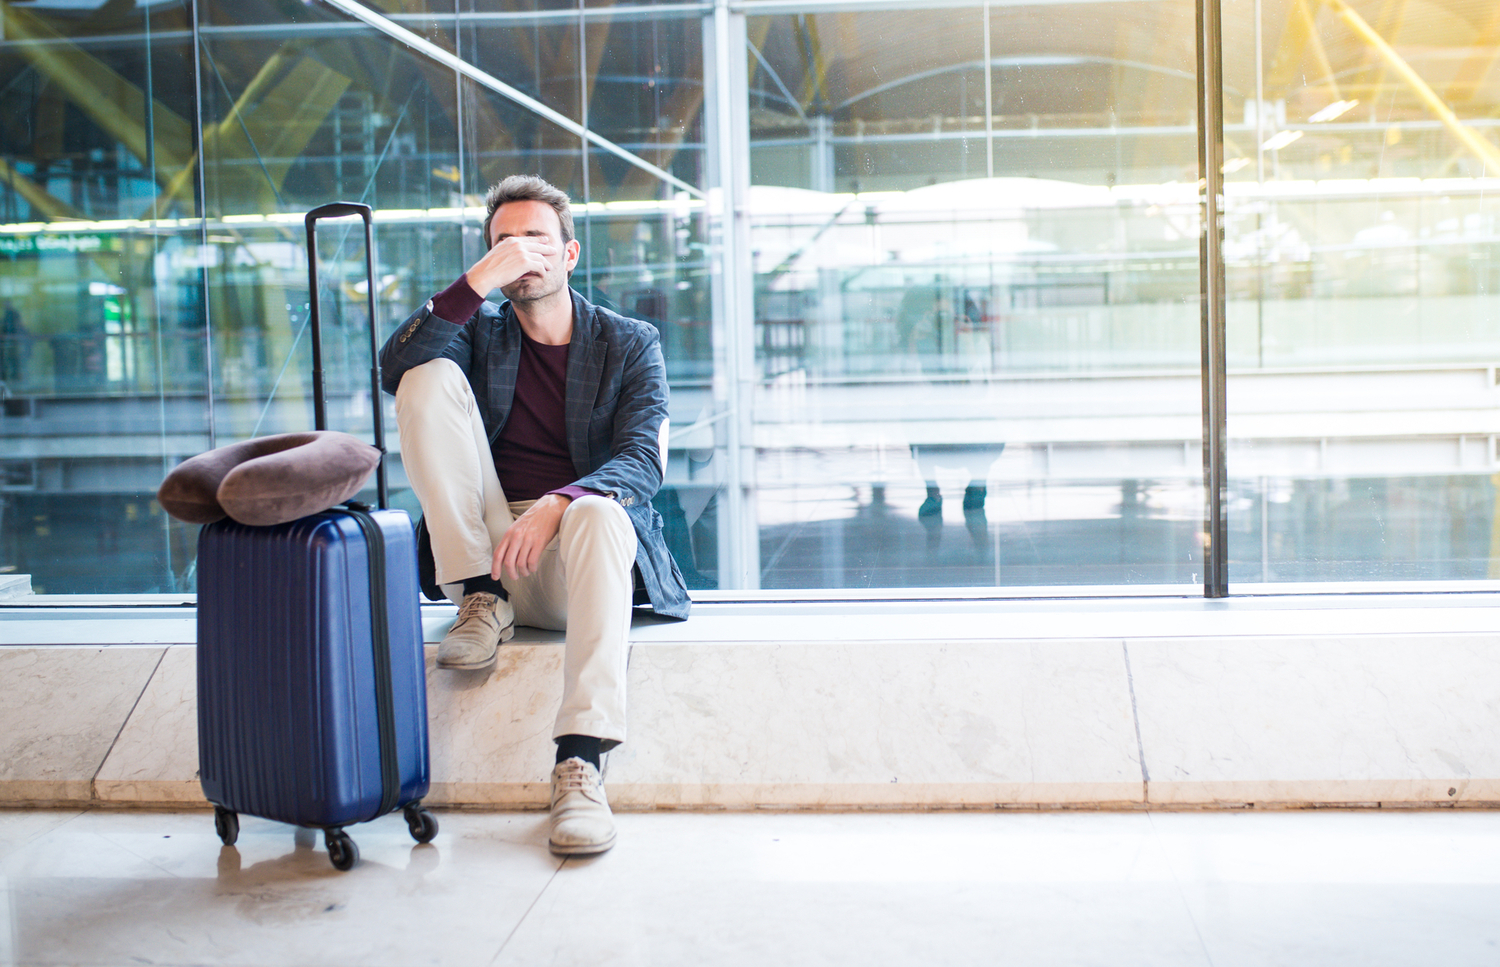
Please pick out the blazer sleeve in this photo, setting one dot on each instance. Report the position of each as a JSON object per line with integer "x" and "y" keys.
{"x": 422, "y": 338}
{"x": 629, "y": 428}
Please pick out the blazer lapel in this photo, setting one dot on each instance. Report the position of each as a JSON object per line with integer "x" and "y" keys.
{"x": 504, "y": 364}
{"x": 586, "y": 356}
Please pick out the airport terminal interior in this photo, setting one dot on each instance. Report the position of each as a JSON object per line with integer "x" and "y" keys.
{"x": 1083, "y": 454}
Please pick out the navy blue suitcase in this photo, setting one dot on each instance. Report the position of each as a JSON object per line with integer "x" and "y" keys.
{"x": 312, "y": 698}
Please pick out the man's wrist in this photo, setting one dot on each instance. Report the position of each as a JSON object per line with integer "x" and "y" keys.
{"x": 573, "y": 492}
{"x": 458, "y": 302}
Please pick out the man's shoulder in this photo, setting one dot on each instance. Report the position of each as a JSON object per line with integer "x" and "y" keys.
{"x": 611, "y": 324}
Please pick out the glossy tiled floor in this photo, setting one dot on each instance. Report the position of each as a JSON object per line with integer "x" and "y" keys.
{"x": 1218, "y": 888}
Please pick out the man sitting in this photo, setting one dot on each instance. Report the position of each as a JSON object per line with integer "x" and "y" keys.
{"x": 529, "y": 433}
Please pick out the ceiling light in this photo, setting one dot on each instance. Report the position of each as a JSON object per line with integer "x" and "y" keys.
{"x": 1278, "y": 141}
{"x": 1334, "y": 110}
{"x": 1234, "y": 164}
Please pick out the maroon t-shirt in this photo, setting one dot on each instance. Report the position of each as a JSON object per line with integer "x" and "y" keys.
{"x": 531, "y": 453}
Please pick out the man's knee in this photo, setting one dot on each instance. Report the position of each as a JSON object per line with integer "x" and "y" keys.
{"x": 596, "y": 511}
{"x": 593, "y": 513}
{"x": 432, "y": 378}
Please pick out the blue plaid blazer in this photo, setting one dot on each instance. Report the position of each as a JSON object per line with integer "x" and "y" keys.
{"x": 616, "y": 401}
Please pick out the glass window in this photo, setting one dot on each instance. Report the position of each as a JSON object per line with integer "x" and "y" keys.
{"x": 974, "y": 239}
{"x": 636, "y": 79}
{"x": 102, "y": 336}
{"x": 294, "y": 117}
{"x": 927, "y": 279}
{"x": 1363, "y": 326}
{"x": 155, "y": 307}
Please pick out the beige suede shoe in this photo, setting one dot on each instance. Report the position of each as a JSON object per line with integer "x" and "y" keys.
{"x": 581, "y": 821}
{"x": 483, "y": 622}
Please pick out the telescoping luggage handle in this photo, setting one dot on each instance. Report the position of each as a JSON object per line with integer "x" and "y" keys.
{"x": 343, "y": 209}
{"x": 390, "y": 779}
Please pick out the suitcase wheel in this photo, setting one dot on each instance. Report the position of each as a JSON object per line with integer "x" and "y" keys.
{"x": 342, "y": 852}
{"x": 423, "y": 824}
{"x": 227, "y": 825}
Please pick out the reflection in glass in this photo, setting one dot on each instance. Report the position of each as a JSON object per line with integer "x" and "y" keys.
{"x": 102, "y": 329}
{"x": 968, "y": 355}
{"x": 976, "y": 278}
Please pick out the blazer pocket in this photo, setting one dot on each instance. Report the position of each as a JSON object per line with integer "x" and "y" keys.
{"x": 609, "y": 392}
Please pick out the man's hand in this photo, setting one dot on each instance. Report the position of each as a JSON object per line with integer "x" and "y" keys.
{"x": 511, "y": 258}
{"x": 521, "y": 547}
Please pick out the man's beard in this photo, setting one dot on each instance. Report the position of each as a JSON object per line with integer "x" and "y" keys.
{"x": 524, "y": 292}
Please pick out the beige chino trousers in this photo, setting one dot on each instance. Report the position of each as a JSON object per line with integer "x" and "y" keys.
{"x": 583, "y": 582}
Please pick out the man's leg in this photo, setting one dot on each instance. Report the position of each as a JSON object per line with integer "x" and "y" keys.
{"x": 446, "y": 455}
{"x": 584, "y": 585}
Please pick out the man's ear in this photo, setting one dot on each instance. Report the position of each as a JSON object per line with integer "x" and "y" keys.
{"x": 572, "y": 251}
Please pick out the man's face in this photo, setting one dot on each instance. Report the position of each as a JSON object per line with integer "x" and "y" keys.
{"x": 534, "y": 219}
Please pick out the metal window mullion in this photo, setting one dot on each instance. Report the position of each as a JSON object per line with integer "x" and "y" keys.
{"x": 1210, "y": 71}
{"x": 989, "y": 104}
{"x": 200, "y": 183}
{"x": 739, "y": 565}
{"x": 462, "y": 133}
{"x": 583, "y": 143}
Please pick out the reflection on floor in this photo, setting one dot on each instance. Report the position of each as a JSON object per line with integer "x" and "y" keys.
{"x": 1221, "y": 888}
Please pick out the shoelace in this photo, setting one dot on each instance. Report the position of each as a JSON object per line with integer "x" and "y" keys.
{"x": 475, "y": 606}
{"x": 573, "y": 777}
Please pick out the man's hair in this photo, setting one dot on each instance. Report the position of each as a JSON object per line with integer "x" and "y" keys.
{"x": 528, "y": 188}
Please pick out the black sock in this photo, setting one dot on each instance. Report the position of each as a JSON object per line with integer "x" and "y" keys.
{"x": 585, "y": 747}
{"x": 486, "y": 584}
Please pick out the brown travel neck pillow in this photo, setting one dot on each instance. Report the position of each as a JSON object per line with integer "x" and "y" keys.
{"x": 269, "y": 480}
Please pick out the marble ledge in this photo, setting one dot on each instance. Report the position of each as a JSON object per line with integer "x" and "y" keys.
{"x": 957, "y": 724}
{"x": 60, "y": 713}
{"x": 46, "y": 793}
{"x": 1271, "y": 793}
{"x": 646, "y": 797}
{"x": 155, "y": 756}
{"x": 898, "y": 796}
{"x": 1319, "y": 720}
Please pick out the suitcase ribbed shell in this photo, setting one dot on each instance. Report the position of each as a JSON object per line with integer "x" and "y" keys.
{"x": 288, "y": 724}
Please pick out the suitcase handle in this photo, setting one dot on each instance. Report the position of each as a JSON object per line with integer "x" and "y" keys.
{"x": 342, "y": 209}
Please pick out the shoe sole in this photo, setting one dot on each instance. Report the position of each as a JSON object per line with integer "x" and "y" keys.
{"x": 506, "y": 635}
{"x": 469, "y": 666}
{"x": 588, "y": 849}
